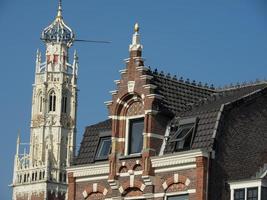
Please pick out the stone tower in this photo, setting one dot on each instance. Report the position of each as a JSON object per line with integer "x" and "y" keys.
{"x": 40, "y": 173}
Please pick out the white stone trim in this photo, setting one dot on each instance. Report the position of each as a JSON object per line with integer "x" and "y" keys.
{"x": 142, "y": 187}
{"x": 105, "y": 192}
{"x": 154, "y": 135}
{"x": 88, "y": 179}
{"x": 187, "y": 182}
{"x": 89, "y": 170}
{"x": 125, "y": 174}
{"x": 180, "y": 158}
{"x": 117, "y": 117}
{"x": 121, "y": 190}
{"x": 177, "y": 168}
{"x": 95, "y": 187}
{"x": 107, "y": 103}
{"x": 132, "y": 198}
{"x": 84, "y": 194}
{"x": 118, "y": 139}
{"x": 176, "y": 178}
{"x": 117, "y": 81}
{"x": 131, "y": 180}
{"x": 113, "y": 92}
{"x": 151, "y": 111}
{"x": 151, "y": 96}
{"x": 131, "y": 86}
{"x": 146, "y": 77}
{"x": 164, "y": 185}
{"x": 141, "y": 68}
{"x": 123, "y": 71}
{"x": 149, "y": 86}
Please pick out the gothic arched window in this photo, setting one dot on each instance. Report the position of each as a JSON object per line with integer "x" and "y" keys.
{"x": 64, "y": 104}
{"x": 40, "y": 102}
{"x": 52, "y": 101}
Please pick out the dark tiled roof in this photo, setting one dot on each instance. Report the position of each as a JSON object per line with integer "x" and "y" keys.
{"x": 178, "y": 94}
{"x": 208, "y": 113}
{"x": 90, "y": 141}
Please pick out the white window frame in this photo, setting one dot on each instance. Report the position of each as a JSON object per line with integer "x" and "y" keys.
{"x": 179, "y": 193}
{"x": 126, "y": 144}
{"x": 257, "y": 183}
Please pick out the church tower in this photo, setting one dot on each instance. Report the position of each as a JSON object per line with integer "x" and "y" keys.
{"x": 41, "y": 172}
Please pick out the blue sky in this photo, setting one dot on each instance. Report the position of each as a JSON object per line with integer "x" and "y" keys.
{"x": 213, "y": 41}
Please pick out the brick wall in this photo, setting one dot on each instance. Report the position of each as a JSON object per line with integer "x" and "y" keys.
{"x": 241, "y": 146}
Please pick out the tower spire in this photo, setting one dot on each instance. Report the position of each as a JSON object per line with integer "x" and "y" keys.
{"x": 59, "y": 10}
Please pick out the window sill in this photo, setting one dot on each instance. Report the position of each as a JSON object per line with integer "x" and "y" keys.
{"x": 136, "y": 155}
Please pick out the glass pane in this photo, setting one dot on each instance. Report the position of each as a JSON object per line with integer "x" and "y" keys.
{"x": 136, "y": 135}
{"x": 263, "y": 193}
{"x": 178, "y": 197}
{"x": 239, "y": 194}
{"x": 103, "y": 148}
{"x": 252, "y": 193}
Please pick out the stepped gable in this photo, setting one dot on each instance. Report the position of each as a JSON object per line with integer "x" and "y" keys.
{"x": 90, "y": 141}
{"x": 178, "y": 94}
{"x": 208, "y": 113}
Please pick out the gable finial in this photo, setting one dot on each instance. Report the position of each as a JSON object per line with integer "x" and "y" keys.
{"x": 136, "y": 45}
{"x": 136, "y": 27}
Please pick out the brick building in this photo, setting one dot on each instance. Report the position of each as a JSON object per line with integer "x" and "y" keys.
{"x": 170, "y": 139}
{"x": 164, "y": 139}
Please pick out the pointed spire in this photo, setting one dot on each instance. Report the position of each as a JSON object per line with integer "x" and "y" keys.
{"x": 18, "y": 142}
{"x": 59, "y": 10}
{"x": 75, "y": 68}
{"x": 136, "y": 45}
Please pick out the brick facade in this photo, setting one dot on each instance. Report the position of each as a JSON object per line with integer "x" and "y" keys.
{"x": 199, "y": 171}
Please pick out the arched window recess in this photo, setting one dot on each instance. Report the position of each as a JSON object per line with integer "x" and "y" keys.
{"x": 52, "y": 101}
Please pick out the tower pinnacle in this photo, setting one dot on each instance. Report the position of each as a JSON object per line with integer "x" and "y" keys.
{"x": 59, "y": 11}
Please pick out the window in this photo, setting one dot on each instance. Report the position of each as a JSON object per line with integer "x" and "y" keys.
{"x": 52, "y": 101}
{"x": 40, "y": 103}
{"x": 178, "y": 197}
{"x": 183, "y": 137}
{"x": 103, "y": 148}
{"x": 252, "y": 193}
{"x": 135, "y": 139}
{"x": 239, "y": 194}
{"x": 64, "y": 105}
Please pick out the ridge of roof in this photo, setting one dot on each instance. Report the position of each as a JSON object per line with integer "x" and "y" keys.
{"x": 181, "y": 80}
{"x": 238, "y": 85}
{"x": 233, "y": 94}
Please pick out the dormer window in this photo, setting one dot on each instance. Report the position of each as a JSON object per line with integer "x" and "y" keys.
{"x": 103, "y": 148}
{"x": 250, "y": 189}
{"x": 135, "y": 135}
{"x": 183, "y": 136}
